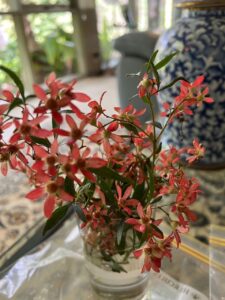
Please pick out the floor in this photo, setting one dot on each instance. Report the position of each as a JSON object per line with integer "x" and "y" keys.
{"x": 95, "y": 86}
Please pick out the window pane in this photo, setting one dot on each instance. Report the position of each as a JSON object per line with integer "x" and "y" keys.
{"x": 9, "y": 56}
{"x": 4, "y": 6}
{"x": 38, "y": 2}
{"x": 111, "y": 24}
{"x": 50, "y": 42}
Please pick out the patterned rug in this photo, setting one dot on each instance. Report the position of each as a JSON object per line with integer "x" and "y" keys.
{"x": 19, "y": 218}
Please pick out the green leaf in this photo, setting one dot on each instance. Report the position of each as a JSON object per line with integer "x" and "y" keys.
{"x": 152, "y": 59}
{"x": 108, "y": 192}
{"x": 85, "y": 192}
{"x": 16, "y": 80}
{"x": 142, "y": 237}
{"x": 116, "y": 267}
{"x": 80, "y": 212}
{"x": 30, "y": 96}
{"x": 156, "y": 124}
{"x": 158, "y": 230}
{"x": 113, "y": 264}
{"x": 120, "y": 232}
{"x": 151, "y": 183}
{"x": 172, "y": 83}
{"x": 156, "y": 200}
{"x": 159, "y": 148}
{"x": 54, "y": 124}
{"x": 106, "y": 172}
{"x": 44, "y": 142}
{"x": 69, "y": 186}
{"x": 139, "y": 192}
{"x": 165, "y": 61}
{"x": 156, "y": 74}
{"x": 130, "y": 127}
{"x": 145, "y": 99}
{"x": 16, "y": 102}
{"x": 56, "y": 217}
{"x": 67, "y": 111}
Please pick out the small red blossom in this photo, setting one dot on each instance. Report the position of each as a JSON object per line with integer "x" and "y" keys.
{"x": 122, "y": 200}
{"x": 196, "y": 91}
{"x": 29, "y": 127}
{"x": 75, "y": 133}
{"x": 51, "y": 191}
{"x": 83, "y": 162}
{"x": 129, "y": 114}
{"x": 147, "y": 86}
{"x": 153, "y": 253}
{"x": 197, "y": 152}
{"x": 103, "y": 135}
{"x": 145, "y": 220}
{"x": 60, "y": 96}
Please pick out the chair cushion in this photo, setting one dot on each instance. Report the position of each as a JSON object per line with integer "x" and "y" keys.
{"x": 139, "y": 44}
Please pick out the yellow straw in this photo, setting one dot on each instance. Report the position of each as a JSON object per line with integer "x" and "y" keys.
{"x": 202, "y": 257}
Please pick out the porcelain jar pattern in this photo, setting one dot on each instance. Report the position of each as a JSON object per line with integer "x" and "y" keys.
{"x": 199, "y": 36}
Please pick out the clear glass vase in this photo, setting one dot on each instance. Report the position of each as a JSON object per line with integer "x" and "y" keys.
{"x": 113, "y": 274}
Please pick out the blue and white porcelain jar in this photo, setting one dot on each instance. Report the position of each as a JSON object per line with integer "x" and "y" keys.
{"x": 199, "y": 36}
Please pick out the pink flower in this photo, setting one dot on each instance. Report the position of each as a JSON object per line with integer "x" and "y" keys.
{"x": 145, "y": 220}
{"x": 76, "y": 132}
{"x": 122, "y": 200}
{"x": 29, "y": 127}
{"x": 61, "y": 95}
{"x": 147, "y": 86}
{"x": 46, "y": 160}
{"x": 8, "y": 98}
{"x": 10, "y": 155}
{"x": 154, "y": 253}
{"x": 129, "y": 114}
{"x": 197, "y": 152}
{"x": 82, "y": 162}
{"x": 103, "y": 135}
{"x": 52, "y": 191}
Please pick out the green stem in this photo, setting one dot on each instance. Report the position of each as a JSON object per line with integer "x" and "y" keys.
{"x": 154, "y": 129}
{"x": 169, "y": 118}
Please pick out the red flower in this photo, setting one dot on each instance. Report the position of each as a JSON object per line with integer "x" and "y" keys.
{"x": 61, "y": 95}
{"x": 27, "y": 128}
{"x": 83, "y": 163}
{"x": 10, "y": 155}
{"x": 123, "y": 202}
{"x": 129, "y": 114}
{"x": 195, "y": 92}
{"x": 96, "y": 110}
{"x": 144, "y": 223}
{"x": 196, "y": 152}
{"x": 188, "y": 190}
{"x": 103, "y": 136}
{"x": 76, "y": 132}
{"x": 154, "y": 253}
{"x": 168, "y": 161}
{"x": 8, "y": 98}
{"x": 147, "y": 86}
{"x": 52, "y": 191}
{"x": 46, "y": 160}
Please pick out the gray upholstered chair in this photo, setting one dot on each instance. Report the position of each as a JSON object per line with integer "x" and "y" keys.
{"x": 136, "y": 49}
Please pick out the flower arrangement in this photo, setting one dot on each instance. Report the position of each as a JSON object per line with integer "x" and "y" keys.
{"x": 112, "y": 169}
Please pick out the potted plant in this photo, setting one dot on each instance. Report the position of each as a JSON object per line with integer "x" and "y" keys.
{"x": 114, "y": 171}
